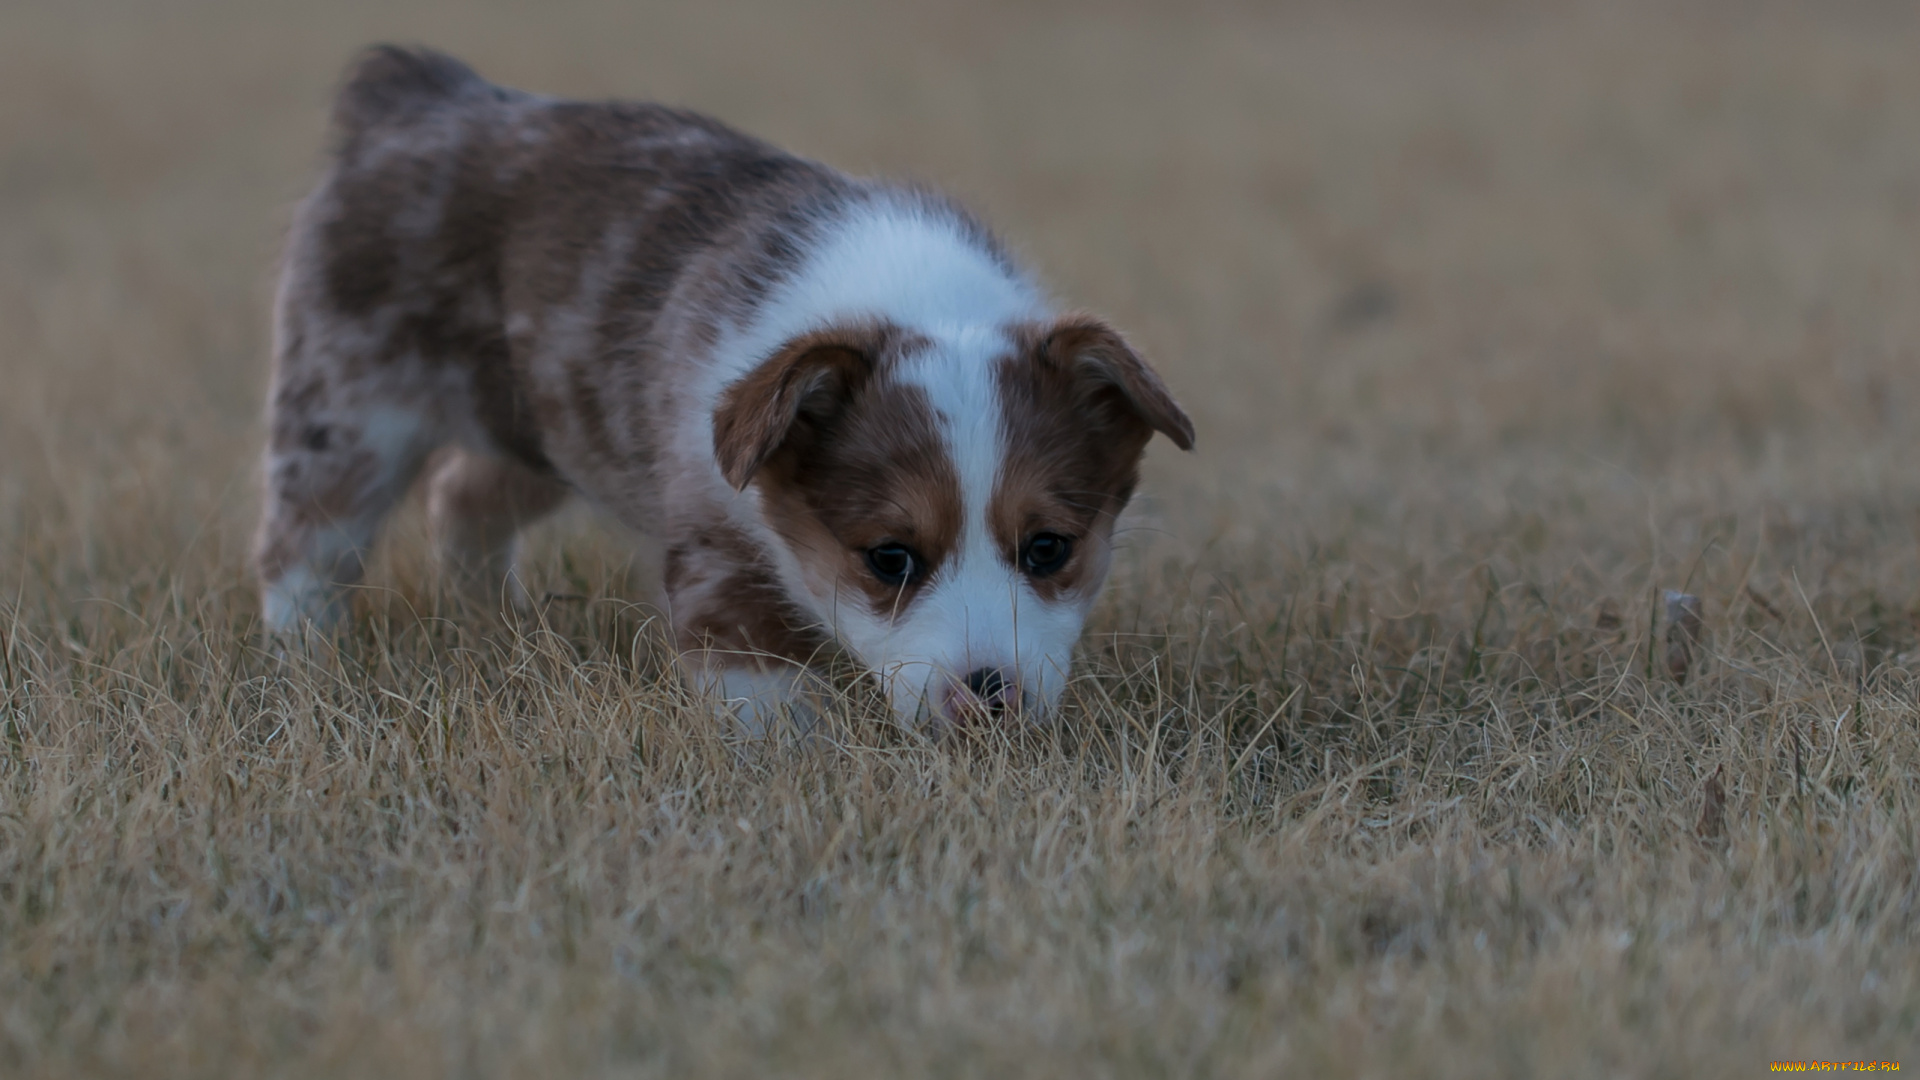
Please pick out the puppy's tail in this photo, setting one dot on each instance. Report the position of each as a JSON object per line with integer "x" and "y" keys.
{"x": 392, "y": 83}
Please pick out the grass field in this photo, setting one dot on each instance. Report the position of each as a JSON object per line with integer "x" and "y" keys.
{"x": 1496, "y": 322}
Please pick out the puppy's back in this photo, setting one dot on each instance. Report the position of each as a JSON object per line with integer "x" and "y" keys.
{"x": 451, "y": 205}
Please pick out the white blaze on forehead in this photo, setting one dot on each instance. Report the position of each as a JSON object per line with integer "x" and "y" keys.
{"x": 909, "y": 265}
{"x": 883, "y": 258}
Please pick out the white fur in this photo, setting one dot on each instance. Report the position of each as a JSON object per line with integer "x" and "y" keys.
{"x": 311, "y": 591}
{"x": 299, "y": 596}
{"x": 755, "y": 698}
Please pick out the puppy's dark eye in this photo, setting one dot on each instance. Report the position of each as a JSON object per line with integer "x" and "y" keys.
{"x": 1046, "y": 553}
{"x": 895, "y": 564}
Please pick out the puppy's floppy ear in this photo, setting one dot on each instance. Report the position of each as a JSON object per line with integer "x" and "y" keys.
{"x": 1098, "y": 355}
{"x": 808, "y": 378}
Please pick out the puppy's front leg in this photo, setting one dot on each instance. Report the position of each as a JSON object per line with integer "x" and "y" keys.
{"x": 741, "y": 639}
{"x": 755, "y": 698}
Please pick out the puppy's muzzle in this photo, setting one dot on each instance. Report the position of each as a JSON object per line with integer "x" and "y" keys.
{"x": 989, "y": 693}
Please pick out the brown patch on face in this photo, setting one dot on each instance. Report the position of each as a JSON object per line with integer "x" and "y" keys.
{"x": 853, "y": 459}
{"x": 1078, "y": 406}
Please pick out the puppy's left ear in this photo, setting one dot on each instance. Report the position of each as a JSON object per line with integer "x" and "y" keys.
{"x": 1098, "y": 355}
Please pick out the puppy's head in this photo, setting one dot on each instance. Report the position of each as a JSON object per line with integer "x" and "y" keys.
{"x": 945, "y": 501}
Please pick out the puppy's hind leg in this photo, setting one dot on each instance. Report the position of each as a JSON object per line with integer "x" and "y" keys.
{"x": 477, "y": 504}
{"x": 333, "y": 475}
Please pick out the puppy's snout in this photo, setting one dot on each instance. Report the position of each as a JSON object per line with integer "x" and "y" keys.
{"x": 989, "y": 687}
{"x": 986, "y": 692}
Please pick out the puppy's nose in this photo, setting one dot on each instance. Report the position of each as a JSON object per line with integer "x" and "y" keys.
{"x": 989, "y": 687}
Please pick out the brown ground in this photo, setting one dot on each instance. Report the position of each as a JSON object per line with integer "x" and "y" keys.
{"x": 1495, "y": 322}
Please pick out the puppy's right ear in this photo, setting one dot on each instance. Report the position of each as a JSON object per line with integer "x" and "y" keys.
{"x": 806, "y": 380}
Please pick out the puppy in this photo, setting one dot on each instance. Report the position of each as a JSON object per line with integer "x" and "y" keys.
{"x": 852, "y": 419}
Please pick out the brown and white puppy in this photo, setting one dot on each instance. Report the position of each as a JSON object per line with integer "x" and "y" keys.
{"x": 853, "y": 421}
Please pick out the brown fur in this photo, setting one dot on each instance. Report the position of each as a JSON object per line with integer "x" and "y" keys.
{"x": 727, "y": 607}
{"x": 477, "y": 504}
{"x": 806, "y": 384}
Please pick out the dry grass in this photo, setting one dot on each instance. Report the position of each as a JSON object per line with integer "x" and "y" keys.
{"x": 1496, "y": 323}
